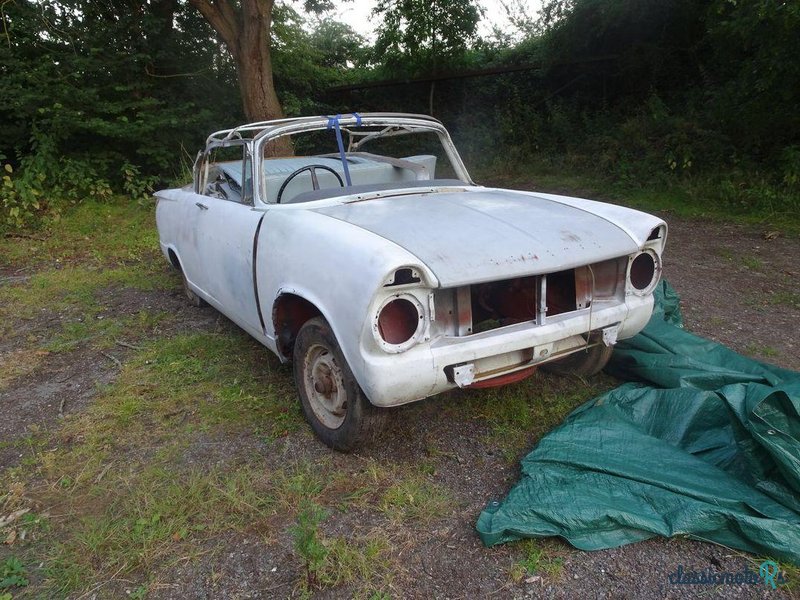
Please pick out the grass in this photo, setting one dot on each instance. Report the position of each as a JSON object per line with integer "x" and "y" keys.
{"x": 12, "y": 574}
{"x": 300, "y": 483}
{"x": 725, "y": 253}
{"x": 92, "y": 234}
{"x": 520, "y": 414}
{"x": 333, "y": 561}
{"x": 761, "y": 350}
{"x": 126, "y": 478}
{"x": 78, "y": 298}
{"x": 753, "y": 263}
{"x": 790, "y": 572}
{"x": 76, "y": 286}
{"x": 190, "y": 382}
{"x": 100, "y": 331}
{"x": 72, "y": 272}
{"x": 790, "y": 299}
{"x": 137, "y": 523}
{"x": 135, "y": 499}
{"x": 690, "y": 197}
{"x": 19, "y": 363}
{"x": 539, "y": 557}
{"x": 415, "y": 499}
{"x": 199, "y": 439}
{"x": 130, "y": 495}
{"x": 363, "y": 560}
{"x": 138, "y": 520}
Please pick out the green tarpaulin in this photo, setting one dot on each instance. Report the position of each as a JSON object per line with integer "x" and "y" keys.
{"x": 703, "y": 442}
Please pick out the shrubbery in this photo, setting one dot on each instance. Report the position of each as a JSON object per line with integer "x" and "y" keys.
{"x": 703, "y": 94}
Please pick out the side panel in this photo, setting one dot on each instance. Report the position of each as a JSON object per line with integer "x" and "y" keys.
{"x": 214, "y": 241}
{"x": 172, "y": 211}
{"x": 224, "y": 254}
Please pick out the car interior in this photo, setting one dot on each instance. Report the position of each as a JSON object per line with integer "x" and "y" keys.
{"x": 315, "y": 176}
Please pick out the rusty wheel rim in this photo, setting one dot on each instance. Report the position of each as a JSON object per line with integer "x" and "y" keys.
{"x": 324, "y": 386}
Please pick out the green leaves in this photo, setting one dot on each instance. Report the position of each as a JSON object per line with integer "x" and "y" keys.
{"x": 307, "y": 542}
{"x": 425, "y": 35}
{"x": 12, "y": 574}
{"x": 309, "y": 56}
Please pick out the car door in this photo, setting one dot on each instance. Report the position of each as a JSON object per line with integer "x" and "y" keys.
{"x": 224, "y": 224}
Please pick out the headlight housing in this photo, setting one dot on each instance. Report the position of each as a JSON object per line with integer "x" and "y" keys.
{"x": 399, "y": 323}
{"x": 644, "y": 272}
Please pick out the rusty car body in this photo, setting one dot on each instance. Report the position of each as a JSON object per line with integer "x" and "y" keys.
{"x": 384, "y": 284}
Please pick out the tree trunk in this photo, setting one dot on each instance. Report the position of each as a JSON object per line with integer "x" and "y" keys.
{"x": 246, "y": 34}
{"x": 254, "y": 62}
{"x": 254, "y": 70}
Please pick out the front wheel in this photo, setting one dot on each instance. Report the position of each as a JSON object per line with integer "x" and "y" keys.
{"x": 583, "y": 363}
{"x": 333, "y": 402}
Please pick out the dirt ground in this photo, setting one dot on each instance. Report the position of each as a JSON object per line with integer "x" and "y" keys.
{"x": 738, "y": 285}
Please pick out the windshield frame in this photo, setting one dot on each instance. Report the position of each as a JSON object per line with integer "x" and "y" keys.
{"x": 349, "y": 124}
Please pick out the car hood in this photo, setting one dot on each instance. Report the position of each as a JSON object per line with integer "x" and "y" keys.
{"x": 471, "y": 235}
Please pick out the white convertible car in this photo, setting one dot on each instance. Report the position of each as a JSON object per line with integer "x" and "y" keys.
{"x": 370, "y": 260}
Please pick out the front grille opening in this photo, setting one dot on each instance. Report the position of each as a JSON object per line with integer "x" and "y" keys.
{"x": 500, "y": 303}
{"x": 561, "y": 292}
{"x": 477, "y": 308}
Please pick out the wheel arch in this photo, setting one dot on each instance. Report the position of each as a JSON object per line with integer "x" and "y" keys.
{"x": 172, "y": 257}
{"x": 290, "y": 311}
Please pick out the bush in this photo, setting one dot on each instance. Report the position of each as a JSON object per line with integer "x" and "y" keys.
{"x": 47, "y": 183}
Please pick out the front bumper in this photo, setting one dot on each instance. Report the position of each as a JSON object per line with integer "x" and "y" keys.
{"x": 443, "y": 363}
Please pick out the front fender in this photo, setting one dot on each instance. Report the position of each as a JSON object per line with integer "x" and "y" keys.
{"x": 336, "y": 266}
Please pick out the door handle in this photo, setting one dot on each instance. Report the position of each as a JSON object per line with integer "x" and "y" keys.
{"x": 201, "y": 205}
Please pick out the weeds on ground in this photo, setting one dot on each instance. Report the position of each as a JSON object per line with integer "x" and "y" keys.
{"x": 12, "y": 574}
{"x": 93, "y": 234}
{"x": 761, "y": 350}
{"x": 753, "y": 263}
{"x": 520, "y": 414}
{"x": 538, "y": 558}
{"x": 333, "y": 561}
{"x": 105, "y": 331}
{"x": 415, "y": 499}
{"x": 66, "y": 275}
{"x": 127, "y": 483}
{"x": 18, "y": 363}
{"x": 301, "y": 483}
{"x": 733, "y": 197}
{"x": 790, "y": 572}
{"x": 131, "y": 522}
{"x": 130, "y": 503}
{"x": 307, "y": 541}
{"x": 117, "y": 472}
{"x": 790, "y": 299}
{"x": 122, "y": 478}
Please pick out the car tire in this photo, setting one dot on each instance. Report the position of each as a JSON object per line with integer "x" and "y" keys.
{"x": 333, "y": 403}
{"x": 582, "y": 363}
{"x": 194, "y": 299}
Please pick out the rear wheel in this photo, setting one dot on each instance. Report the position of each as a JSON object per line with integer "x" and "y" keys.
{"x": 583, "y": 362}
{"x": 333, "y": 402}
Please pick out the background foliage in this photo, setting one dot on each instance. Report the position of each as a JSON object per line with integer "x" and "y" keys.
{"x": 116, "y": 97}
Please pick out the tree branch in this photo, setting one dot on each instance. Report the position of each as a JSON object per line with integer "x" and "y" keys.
{"x": 222, "y": 17}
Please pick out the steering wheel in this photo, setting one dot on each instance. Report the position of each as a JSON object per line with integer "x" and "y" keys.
{"x": 314, "y": 180}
